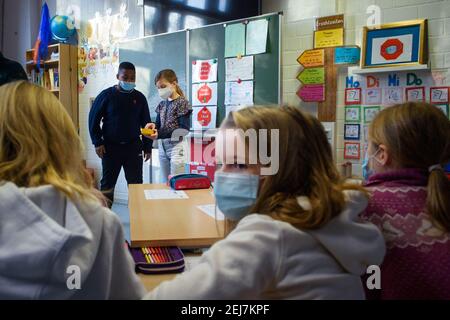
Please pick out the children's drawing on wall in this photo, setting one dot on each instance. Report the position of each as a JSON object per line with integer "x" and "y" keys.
{"x": 99, "y": 50}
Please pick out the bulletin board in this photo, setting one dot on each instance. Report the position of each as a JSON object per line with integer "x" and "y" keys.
{"x": 178, "y": 50}
{"x": 153, "y": 54}
{"x": 209, "y": 43}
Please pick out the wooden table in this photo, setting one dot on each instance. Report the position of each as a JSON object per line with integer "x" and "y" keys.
{"x": 153, "y": 281}
{"x": 160, "y": 223}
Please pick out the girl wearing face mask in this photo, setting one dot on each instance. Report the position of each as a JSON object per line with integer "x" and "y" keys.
{"x": 408, "y": 146}
{"x": 173, "y": 113}
{"x": 296, "y": 232}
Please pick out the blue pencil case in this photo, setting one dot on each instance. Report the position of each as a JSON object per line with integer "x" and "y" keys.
{"x": 158, "y": 260}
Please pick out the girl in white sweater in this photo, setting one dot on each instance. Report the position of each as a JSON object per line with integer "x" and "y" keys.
{"x": 297, "y": 234}
{"x": 57, "y": 241}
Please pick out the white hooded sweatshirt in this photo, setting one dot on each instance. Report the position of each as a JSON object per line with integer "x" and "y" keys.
{"x": 268, "y": 259}
{"x": 52, "y": 248}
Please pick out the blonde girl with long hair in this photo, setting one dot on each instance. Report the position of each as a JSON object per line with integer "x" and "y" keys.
{"x": 297, "y": 234}
{"x": 409, "y": 145}
{"x": 173, "y": 116}
{"x": 57, "y": 241}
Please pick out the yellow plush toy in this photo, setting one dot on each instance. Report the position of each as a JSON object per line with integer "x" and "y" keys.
{"x": 147, "y": 132}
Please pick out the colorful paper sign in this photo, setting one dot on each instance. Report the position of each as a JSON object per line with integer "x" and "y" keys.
{"x": 312, "y": 93}
{"x": 204, "y": 71}
{"x": 312, "y": 76}
{"x": 347, "y": 55}
{"x": 204, "y": 94}
{"x": 204, "y": 117}
{"x": 329, "y": 38}
{"x": 312, "y": 58}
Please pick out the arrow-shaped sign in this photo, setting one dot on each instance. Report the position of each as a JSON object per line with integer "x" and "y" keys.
{"x": 312, "y": 76}
{"x": 312, "y": 58}
{"x": 312, "y": 93}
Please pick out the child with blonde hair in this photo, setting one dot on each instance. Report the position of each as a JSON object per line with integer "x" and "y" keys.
{"x": 297, "y": 234}
{"x": 410, "y": 200}
{"x": 56, "y": 241}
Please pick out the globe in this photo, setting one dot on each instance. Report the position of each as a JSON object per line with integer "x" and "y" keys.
{"x": 62, "y": 27}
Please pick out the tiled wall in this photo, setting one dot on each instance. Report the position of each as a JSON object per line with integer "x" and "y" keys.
{"x": 299, "y": 16}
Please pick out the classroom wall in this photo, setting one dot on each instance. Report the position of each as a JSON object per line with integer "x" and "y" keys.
{"x": 20, "y": 27}
{"x": 2, "y": 4}
{"x": 298, "y": 36}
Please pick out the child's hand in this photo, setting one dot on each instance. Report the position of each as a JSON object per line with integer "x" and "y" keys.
{"x": 150, "y": 132}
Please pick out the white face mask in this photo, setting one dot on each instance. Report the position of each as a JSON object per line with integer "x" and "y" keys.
{"x": 165, "y": 93}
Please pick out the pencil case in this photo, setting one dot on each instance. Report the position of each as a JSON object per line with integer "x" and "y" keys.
{"x": 189, "y": 182}
{"x": 161, "y": 260}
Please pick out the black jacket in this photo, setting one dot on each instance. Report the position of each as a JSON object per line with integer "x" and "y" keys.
{"x": 10, "y": 71}
{"x": 122, "y": 114}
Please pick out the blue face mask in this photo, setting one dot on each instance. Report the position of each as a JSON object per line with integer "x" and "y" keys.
{"x": 235, "y": 193}
{"x": 366, "y": 170}
{"x": 127, "y": 86}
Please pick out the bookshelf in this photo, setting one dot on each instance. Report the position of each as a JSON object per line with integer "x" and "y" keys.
{"x": 59, "y": 75}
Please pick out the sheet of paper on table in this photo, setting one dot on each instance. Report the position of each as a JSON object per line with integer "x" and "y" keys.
{"x": 210, "y": 210}
{"x": 163, "y": 194}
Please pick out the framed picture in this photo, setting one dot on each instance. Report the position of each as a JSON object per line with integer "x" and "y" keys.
{"x": 373, "y": 97}
{"x": 353, "y": 96}
{"x": 353, "y": 114}
{"x": 439, "y": 95}
{"x": 395, "y": 44}
{"x": 370, "y": 113}
{"x": 352, "y": 131}
{"x": 352, "y": 151}
{"x": 415, "y": 94}
{"x": 444, "y": 108}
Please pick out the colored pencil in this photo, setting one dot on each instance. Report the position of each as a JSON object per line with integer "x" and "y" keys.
{"x": 161, "y": 252}
{"x": 150, "y": 256}
{"x": 146, "y": 256}
{"x": 155, "y": 255}
{"x": 158, "y": 251}
{"x": 169, "y": 255}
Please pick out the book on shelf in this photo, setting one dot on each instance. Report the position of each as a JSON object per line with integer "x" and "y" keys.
{"x": 48, "y": 79}
{"x": 52, "y": 79}
{"x": 56, "y": 79}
